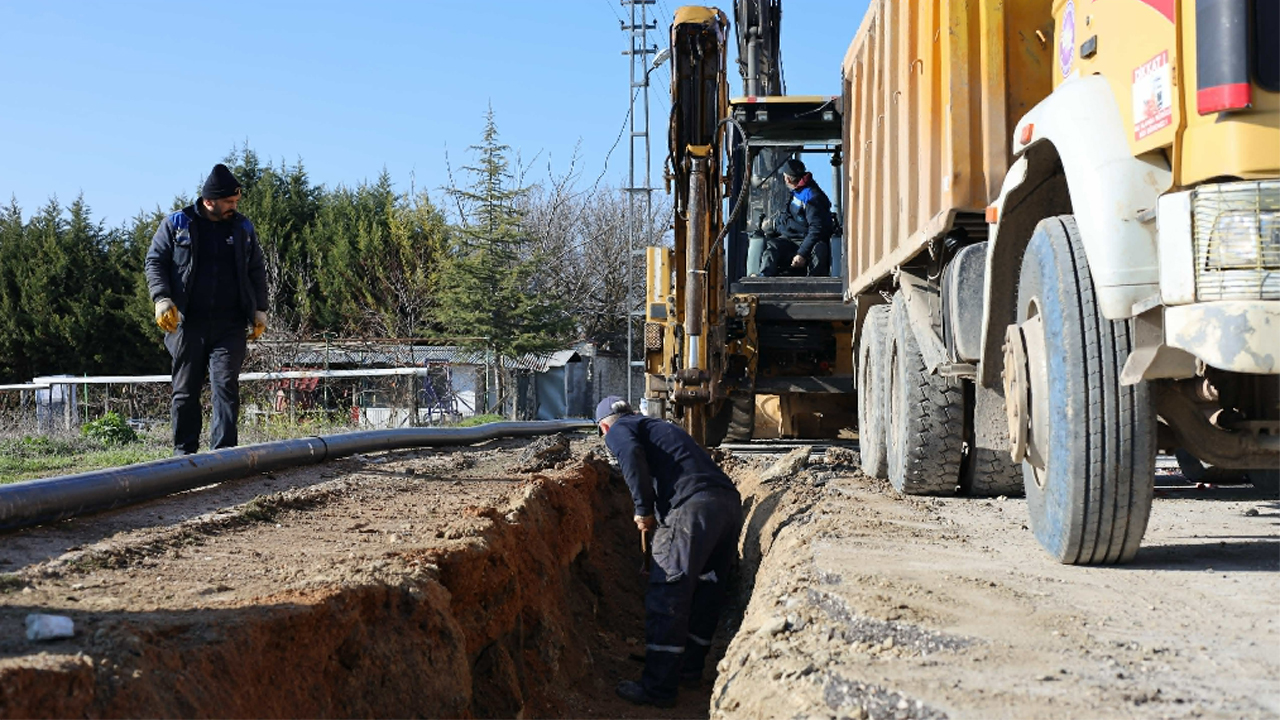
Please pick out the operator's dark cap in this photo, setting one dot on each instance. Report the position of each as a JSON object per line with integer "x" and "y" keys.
{"x": 220, "y": 184}
{"x": 793, "y": 168}
{"x": 612, "y": 405}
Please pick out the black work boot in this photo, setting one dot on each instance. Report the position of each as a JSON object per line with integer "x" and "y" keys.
{"x": 695, "y": 657}
{"x": 691, "y": 679}
{"x": 633, "y": 692}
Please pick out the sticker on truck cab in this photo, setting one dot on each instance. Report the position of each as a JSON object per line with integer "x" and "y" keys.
{"x": 1152, "y": 96}
{"x": 1067, "y": 43}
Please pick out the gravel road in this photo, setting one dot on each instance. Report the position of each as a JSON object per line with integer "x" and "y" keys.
{"x": 869, "y": 604}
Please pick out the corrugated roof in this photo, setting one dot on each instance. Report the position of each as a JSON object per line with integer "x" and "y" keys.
{"x": 317, "y": 355}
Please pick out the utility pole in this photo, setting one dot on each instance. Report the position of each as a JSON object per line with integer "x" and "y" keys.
{"x": 639, "y": 51}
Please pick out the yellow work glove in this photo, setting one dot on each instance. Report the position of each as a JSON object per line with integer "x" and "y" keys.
{"x": 167, "y": 316}
{"x": 259, "y": 325}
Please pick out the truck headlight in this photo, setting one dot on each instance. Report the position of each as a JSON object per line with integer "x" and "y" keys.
{"x": 1236, "y": 235}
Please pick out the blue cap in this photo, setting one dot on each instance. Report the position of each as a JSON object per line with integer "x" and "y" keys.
{"x": 612, "y": 405}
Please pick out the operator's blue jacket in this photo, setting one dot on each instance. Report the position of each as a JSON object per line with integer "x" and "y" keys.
{"x": 171, "y": 261}
{"x": 807, "y": 219}
{"x": 662, "y": 465}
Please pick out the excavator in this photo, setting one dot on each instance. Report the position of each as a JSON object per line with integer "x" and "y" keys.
{"x": 729, "y": 354}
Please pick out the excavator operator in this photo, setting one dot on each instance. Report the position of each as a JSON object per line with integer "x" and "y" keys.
{"x": 798, "y": 239}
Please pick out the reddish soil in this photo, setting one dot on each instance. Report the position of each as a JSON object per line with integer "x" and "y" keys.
{"x": 418, "y": 583}
{"x": 469, "y": 583}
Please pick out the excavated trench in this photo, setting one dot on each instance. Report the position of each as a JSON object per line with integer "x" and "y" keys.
{"x": 529, "y": 607}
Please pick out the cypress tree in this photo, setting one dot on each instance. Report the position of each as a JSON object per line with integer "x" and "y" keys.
{"x": 489, "y": 287}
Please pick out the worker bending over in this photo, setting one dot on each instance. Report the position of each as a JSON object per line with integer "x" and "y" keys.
{"x": 695, "y": 514}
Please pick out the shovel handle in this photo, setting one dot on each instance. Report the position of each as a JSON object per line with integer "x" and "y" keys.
{"x": 644, "y": 548}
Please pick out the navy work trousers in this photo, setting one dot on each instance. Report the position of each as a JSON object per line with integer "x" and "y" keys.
{"x": 217, "y": 347}
{"x": 780, "y": 251}
{"x": 692, "y": 552}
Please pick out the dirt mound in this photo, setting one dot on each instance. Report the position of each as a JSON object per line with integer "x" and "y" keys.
{"x": 544, "y": 453}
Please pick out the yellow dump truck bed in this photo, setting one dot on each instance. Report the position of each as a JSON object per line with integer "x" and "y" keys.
{"x": 932, "y": 91}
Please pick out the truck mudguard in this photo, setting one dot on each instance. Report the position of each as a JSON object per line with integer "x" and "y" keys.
{"x": 1112, "y": 194}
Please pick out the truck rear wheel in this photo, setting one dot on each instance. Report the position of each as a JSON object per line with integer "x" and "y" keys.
{"x": 1089, "y": 442}
{"x": 873, "y": 361}
{"x": 989, "y": 470}
{"x": 925, "y": 416}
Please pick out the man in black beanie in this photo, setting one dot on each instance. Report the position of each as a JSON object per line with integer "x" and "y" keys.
{"x": 208, "y": 281}
{"x": 798, "y": 239}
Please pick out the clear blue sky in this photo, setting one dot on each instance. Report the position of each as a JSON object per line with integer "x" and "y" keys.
{"x": 131, "y": 102}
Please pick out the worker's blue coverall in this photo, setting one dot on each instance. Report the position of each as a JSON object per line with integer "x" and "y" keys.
{"x": 699, "y": 513}
{"x": 803, "y": 228}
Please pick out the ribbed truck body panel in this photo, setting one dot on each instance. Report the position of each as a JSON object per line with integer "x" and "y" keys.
{"x": 932, "y": 91}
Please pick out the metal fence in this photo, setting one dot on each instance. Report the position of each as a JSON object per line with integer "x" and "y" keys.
{"x": 358, "y": 399}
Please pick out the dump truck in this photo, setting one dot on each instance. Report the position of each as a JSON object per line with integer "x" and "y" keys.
{"x": 1059, "y": 254}
{"x": 1063, "y": 223}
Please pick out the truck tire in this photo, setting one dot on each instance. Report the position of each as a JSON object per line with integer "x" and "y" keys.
{"x": 742, "y": 417}
{"x": 989, "y": 470}
{"x": 1089, "y": 477}
{"x": 873, "y": 361}
{"x": 733, "y": 420}
{"x": 925, "y": 416}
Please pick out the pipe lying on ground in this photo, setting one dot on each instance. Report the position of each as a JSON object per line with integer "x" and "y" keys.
{"x": 43, "y": 501}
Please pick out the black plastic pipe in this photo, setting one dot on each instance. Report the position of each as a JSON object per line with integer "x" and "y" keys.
{"x": 36, "y": 502}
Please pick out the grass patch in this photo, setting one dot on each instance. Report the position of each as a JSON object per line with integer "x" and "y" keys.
{"x": 475, "y": 420}
{"x": 260, "y": 509}
{"x": 11, "y": 582}
{"x": 104, "y": 445}
{"x": 280, "y": 427}
{"x": 33, "y": 457}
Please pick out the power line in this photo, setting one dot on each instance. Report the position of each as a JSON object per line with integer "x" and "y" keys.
{"x": 614, "y": 10}
{"x": 637, "y": 30}
{"x": 618, "y": 139}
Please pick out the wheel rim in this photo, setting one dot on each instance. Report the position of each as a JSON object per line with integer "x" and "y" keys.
{"x": 1037, "y": 390}
{"x": 1016, "y": 391}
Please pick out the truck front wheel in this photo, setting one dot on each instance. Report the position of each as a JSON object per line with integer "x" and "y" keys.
{"x": 1087, "y": 442}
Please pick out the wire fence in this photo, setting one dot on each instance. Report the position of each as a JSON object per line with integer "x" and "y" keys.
{"x": 271, "y": 403}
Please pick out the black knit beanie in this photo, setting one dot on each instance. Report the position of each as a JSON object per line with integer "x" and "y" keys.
{"x": 221, "y": 184}
{"x": 793, "y": 168}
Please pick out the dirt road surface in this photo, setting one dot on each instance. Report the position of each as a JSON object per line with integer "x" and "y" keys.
{"x": 502, "y": 581}
{"x": 869, "y": 604}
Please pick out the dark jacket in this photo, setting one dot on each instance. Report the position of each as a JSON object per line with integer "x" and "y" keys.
{"x": 662, "y": 465}
{"x": 807, "y": 219}
{"x": 171, "y": 261}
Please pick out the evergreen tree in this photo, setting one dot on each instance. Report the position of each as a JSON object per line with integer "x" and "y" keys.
{"x": 282, "y": 204}
{"x": 418, "y": 239}
{"x": 141, "y": 345}
{"x": 13, "y": 346}
{"x": 489, "y": 290}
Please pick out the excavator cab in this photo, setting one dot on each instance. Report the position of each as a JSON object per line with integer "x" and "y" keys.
{"x": 796, "y": 329}
{"x": 774, "y": 130}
